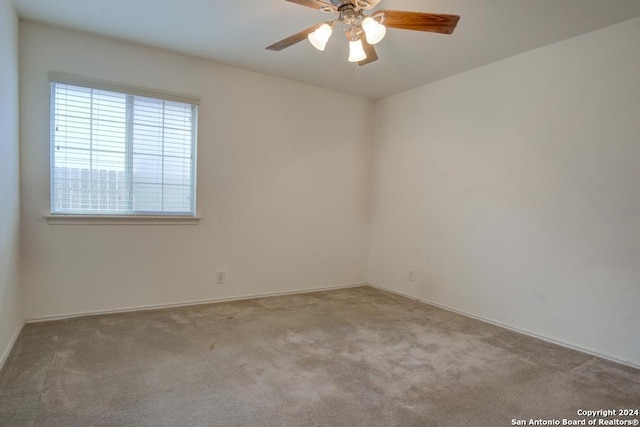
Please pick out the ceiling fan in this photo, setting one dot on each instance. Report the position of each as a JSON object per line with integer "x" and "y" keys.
{"x": 364, "y": 31}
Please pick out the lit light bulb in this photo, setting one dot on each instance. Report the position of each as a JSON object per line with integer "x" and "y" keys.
{"x": 374, "y": 30}
{"x": 320, "y": 36}
{"x": 356, "y": 51}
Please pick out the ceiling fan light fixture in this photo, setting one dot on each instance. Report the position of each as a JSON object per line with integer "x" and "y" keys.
{"x": 356, "y": 51}
{"x": 320, "y": 36}
{"x": 363, "y": 26}
{"x": 373, "y": 30}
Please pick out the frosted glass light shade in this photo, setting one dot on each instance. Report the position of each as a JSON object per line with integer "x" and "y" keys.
{"x": 374, "y": 30}
{"x": 356, "y": 51}
{"x": 320, "y": 36}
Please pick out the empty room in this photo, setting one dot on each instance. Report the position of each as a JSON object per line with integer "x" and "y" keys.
{"x": 319, "y": 212}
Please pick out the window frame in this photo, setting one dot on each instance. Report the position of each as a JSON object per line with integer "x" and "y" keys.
{"x": 133, "y": 217}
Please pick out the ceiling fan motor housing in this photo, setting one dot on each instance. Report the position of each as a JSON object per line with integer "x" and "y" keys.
{"x": 355, "y": 4}
{"x": 349, "y": 15}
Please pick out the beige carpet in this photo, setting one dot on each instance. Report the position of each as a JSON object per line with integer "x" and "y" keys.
{"x": 354, "y": 357}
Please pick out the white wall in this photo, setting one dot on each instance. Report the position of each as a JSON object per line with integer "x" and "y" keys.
{"x": 283, "y": 186}
{"x": 10, "y": 296}
{"x": 513, "y": 191}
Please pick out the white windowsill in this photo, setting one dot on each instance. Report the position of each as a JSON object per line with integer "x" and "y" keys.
{"x": 120, "y": 220}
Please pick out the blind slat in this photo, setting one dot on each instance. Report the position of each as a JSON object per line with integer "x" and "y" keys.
{"x": 115, "y": 152}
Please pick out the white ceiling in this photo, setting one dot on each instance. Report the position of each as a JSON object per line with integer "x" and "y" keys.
{"x": 235, "y": 32}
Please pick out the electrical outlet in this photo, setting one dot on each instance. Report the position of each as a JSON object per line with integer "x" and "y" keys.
{"x": 220, "y": 276}
{"x": 411, "y": 276}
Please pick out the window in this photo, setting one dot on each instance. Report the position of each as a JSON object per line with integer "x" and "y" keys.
{"x": 121, "y": 151}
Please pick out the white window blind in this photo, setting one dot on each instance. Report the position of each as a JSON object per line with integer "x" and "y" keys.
{"x": 121, "y": 153}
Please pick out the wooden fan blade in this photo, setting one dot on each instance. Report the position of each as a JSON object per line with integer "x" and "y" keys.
{"x": 417, "y": 21}
{"x": 314, "y": 4}
{"x": 296, "y": 38}
{"x": 369, "y": 49}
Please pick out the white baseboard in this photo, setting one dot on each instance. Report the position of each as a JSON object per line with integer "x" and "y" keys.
{"x": 190, "y": 303}
{"x": 7, "y": 351}
{"x": 511, "y": 328}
